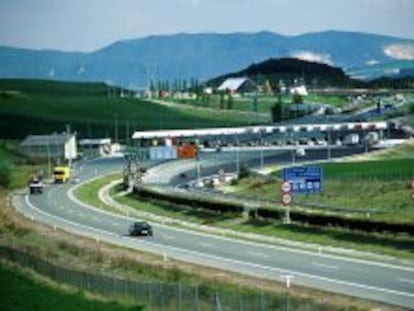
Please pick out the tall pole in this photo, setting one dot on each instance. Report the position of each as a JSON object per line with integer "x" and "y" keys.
{"x": 70, "y": 151}
{"x": 116, "y": 128}
{"x": 48, "y": 157}
{"x": 329, "y": 143}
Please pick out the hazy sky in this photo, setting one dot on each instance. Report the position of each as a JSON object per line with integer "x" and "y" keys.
{"x": 86, "y": 25}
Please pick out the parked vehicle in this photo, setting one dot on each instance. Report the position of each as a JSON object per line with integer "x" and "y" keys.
{"x": 351, "y": 139}
{"x": 140, "y": 228}
{"x": 61, "y": 174}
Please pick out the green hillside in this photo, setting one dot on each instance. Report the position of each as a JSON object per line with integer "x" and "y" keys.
{"x": 19, "y": 293}
{"x": 38, "y": 107}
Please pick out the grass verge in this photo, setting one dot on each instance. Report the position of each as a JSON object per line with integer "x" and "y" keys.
{"x": 75, "y": 252}
{"x": 396, "y": 246}
{"x": 20, "y": 292}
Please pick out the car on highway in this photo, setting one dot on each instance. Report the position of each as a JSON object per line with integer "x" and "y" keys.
{"x": 36, "y": 186}
{"x": 140, "y": 228}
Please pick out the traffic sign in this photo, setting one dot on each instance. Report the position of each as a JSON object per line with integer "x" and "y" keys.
{"x": 286, "y": 198}
{"x": 304, "y": 179}
{"x": 286, "y": 186}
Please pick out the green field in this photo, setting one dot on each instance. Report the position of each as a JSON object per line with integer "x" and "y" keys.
{"x": 20, "y": 293}
{"x": 39, "y": 107}
{"x": 399, "y": 169}
{"x": 378, "y": 187}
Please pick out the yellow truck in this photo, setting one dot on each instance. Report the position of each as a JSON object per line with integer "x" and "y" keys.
{"x": 61, "y": 174}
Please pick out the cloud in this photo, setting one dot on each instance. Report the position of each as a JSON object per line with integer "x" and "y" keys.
{"x": 403, "y": 51}
{"x": 371, "y": 62}
{"x": 313, "y": 57}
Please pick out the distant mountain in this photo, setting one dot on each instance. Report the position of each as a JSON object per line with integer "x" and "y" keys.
{"x": 201, "y": 56}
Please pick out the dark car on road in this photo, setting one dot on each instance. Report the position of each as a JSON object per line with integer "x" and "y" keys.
{"x": 36, "y": 186}
{"x": 140, "y": 228}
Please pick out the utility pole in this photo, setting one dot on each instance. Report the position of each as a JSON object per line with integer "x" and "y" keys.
{"x": 70, "y": 153}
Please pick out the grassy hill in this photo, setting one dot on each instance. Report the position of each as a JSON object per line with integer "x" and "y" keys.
{"x": 38, "y": 107}
{"x": 19, "y": 292}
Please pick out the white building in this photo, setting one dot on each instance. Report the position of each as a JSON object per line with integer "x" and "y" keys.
{"x": 96, "y": 146}
{"x": 299, "y": 90}
{"x": 54, "y": 146}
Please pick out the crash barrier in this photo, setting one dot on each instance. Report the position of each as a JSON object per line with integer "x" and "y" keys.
{"x": 299, "y": 217}
{"x": 166, "y": 296}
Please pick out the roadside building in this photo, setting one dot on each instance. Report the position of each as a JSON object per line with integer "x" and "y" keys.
{"x": 55, "y": 146}
{"x": 96, "y": 147}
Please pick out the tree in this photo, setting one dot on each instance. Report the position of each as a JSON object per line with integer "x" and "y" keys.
{"x": 229, "y": 100}
{"x": 297, "y": 99}
{"x": 255, "y": 107}
{"x": 277, "y": 110}
{"x": 221, "y": 100}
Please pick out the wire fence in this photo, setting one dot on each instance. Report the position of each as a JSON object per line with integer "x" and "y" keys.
{"x": 165, "y": 296}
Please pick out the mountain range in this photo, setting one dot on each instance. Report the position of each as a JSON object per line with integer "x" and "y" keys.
{"x": 133, "y": 63}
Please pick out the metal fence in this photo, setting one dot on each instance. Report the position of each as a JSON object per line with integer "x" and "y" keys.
{"x": 165, "y": 296}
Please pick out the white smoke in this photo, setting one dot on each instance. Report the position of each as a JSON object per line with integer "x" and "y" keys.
{"x": 313, "y": 57}
{"x": 402, "y": 51}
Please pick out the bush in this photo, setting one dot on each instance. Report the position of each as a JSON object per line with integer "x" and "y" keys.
{"x": 5, "y": 175}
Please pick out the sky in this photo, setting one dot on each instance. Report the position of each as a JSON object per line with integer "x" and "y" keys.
{"x": 88, "y": 25}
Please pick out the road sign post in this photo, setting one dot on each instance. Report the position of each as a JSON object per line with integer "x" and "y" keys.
{"x": 286, "y": 198}
{"x": 296, "y": 180}
{"x": 304, "y": 179}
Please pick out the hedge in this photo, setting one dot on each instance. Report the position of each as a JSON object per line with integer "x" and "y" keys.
{"x": 322, "y": 220}
{"x": 216, "y": 206}
{"x": 299, "y": 217}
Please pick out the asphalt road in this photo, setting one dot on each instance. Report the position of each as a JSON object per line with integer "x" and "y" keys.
{"x": 366, "y": 279}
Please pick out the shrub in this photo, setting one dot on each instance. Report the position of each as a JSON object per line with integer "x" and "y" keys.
{"x": 5, "y": 175}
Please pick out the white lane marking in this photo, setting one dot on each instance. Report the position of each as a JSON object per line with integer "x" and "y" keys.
{"x": 168, "y": 237}
{"x": 116, "y": 224}
{"x": 281, "y": 248}
{"x": 324, "y": 266}
{"x": 81, "y": 215}
{"x": 257, "y": 254}
{"x": 224, "y": 259}
{"x": 406, "y": 280}
{"x": 96, "y": 219}
{"x": 206, "y": 244}
{"x": 70, "y": 211}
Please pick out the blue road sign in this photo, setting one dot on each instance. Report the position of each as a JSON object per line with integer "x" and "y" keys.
{"x": 304, "y": 179}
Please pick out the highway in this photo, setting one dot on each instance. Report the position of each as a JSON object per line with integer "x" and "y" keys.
{"x": 384, "y": 282}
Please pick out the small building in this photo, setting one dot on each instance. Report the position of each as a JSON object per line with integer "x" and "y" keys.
{"x": 55, "y": 146}
{"x": 237, "y": 85}
{"x": 299, "y": 90}
{"x": 96, "y": 146}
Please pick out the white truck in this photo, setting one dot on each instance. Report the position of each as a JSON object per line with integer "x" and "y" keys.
{"x": 351, "y": 139}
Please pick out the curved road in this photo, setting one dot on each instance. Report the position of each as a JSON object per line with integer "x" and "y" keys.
{"x": 366, "y": 279}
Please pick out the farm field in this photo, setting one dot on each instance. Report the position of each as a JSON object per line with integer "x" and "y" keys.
{"x": 93, "y": 110}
